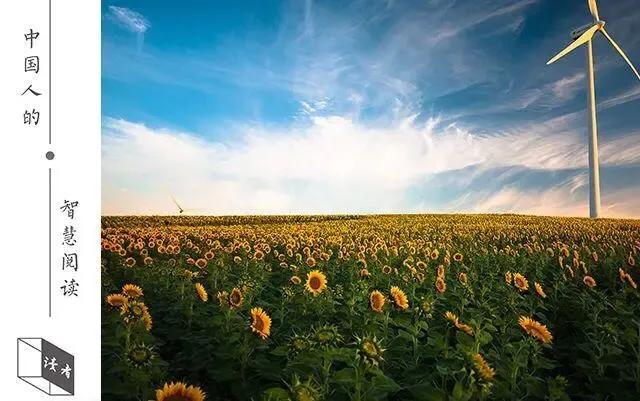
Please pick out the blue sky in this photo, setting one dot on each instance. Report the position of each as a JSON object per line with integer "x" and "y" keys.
{"x": 310, "y": 106}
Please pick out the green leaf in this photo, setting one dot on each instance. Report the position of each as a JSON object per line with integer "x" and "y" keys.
{"x": 427, "y": 392}
{"x": 385, "y": 383}
{"x": 276, "y": 394}
{"x": 345, "y": 376}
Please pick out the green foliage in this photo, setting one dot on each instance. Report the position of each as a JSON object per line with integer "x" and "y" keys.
{"x": 333, "y": 346}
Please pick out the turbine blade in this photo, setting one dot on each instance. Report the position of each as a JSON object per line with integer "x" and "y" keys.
{"x": 593, "y": 7}
{"x": 624, "y": 56}
{"x": 176, "y": 202}
{"x": 584, "y": 38}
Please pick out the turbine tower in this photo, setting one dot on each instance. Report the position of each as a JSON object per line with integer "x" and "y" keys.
{"x": 581, "y": 36}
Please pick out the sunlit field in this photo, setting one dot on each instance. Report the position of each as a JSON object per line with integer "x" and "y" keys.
{"x": 370, "y": 308}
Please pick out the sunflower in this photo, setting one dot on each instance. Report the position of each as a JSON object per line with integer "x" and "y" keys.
{"x": 307, "y": 391}
{"x": 465, "y": 328}
{"x": 140, "y": 355}
{"x": 135, "y": 311}
{"x": 180, "y": 392}
{"x": 630, "y": 281}
{"x": 399, "y": 298}
{"x": 440, "y": 271}
{"x": 201, "y": 263}
{"x": 364, "y": 273}
{"x": 130, "y": 262}
{"x": 622, "y": 274}
{"x": 299, "y": 343}
{"x": 235, "y": 298}
{"x": 441, "y": 286}
{"x": 376, "y": 300}
{"x": 202, "y": 293}
{"x": 370, "y": 351}
{"x": 452, "y": 317}
{"x": 482, "y": 367}
{"x": 223, "y": 297}
{"x": 327, "y": 334}
{"x": 260, "y": 323}
{"x": 462, "y": 277}
{"x": 539, "y": 290}
{"x": 132, "y": 291}
{"x": 295, "y": 280}
{"x": 386, "y": 269}
{"x": 147, "y": 320}
{"x": 521, "y": 282}
{"x": 457, "y": 257}
{"x": 589, "y": 281}
{"x": 535, "y": 329}
{"x": 508, "y": 277}
{"x": 116, "y": 300}
{"x": 316, "y": 282}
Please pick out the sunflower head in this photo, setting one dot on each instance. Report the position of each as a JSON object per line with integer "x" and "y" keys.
{"x": 140, "y": 355}
{"x": 223, "y": 298}
{"x": 132, "y": 291}
{"x": 483, "y": 369}
{"x": 260, "y": 323}
{"x": 589, "y": 281}
{"x": 316, "y": 282}
{"x": 452, "y": 317}
{"x": 235, "y": 298}
{"x": 202, "y": 293}
{"x": 304, "y": 391}
{"x": 201, "y": 263}
{"x": 535, "y": 329}
{"x": 462, "y": 277}
{"x": 376, "y": 301}
{"x": 399, "y": 298}
{"x": 539, "y": 290}
{"x": 521, "y": 282}
{"x": 327, "y": 335}
{"x": 136, "y": 311}
{"x": 441, "y": 286}
{"x": 116, "y": 300}
{"x": 180, "y": 392}
{"x": 370, "y": 351}
{"x": 295, "y": 280}
{"x": 426, "y": 305}
{"x": 300, "y": 343}
{"x": 508, "y": 277}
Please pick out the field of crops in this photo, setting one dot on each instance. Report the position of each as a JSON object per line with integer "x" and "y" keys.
{"x": 370, "y": 308}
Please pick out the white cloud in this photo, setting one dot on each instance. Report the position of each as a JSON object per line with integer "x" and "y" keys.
{"x": 332, "y": 165}
{"x": 474, "y": 19}
{"x": 568, "y": 198}
{"x": 622, "y": 98}
{"x": 129, "y": 19}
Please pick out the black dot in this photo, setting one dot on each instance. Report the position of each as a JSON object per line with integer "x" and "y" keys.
{"x": 50, "y": 155}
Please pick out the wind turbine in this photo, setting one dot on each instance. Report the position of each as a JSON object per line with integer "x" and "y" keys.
{"x": 180, "y": 209}
{"x": 581, "y": 36}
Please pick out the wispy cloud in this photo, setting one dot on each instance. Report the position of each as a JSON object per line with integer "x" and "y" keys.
{"x": 129, "y": 19}
{"x": 627, "y": 96}
{"x": 481, "y": 16}
{"x": 334, "y": 165}
{"x": 567, "y": 198}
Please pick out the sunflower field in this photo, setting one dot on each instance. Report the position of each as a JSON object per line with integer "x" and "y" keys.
{"x": 398, "y": 307}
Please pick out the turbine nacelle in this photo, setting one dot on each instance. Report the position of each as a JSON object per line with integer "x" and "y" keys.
{"x": 576, "y": 33}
